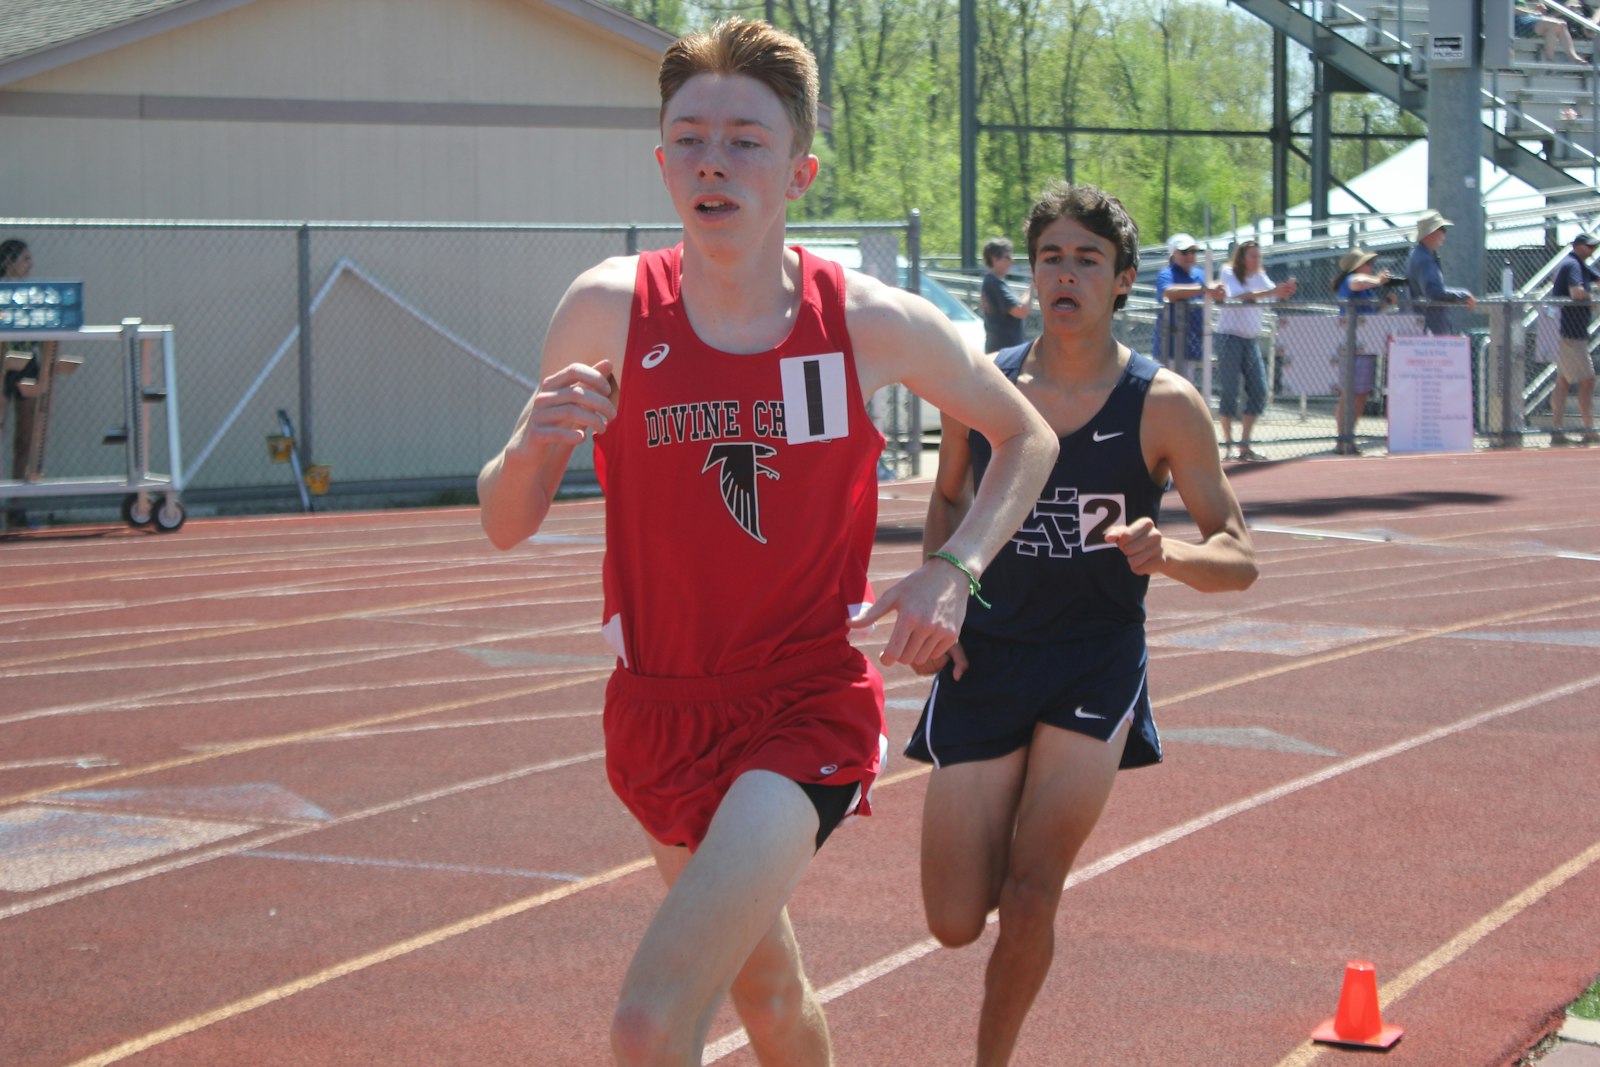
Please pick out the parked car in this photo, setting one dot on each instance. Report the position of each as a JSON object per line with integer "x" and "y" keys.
{"x": 966, "y": 321}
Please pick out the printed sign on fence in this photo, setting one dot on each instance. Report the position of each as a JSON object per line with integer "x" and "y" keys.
{"x": 1430, "y": 394}
{"x": 26, "y": 305}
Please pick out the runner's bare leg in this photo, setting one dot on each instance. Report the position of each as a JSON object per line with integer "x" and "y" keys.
{"x": 1069, "y": 778}
{"x": 724, "y": 915}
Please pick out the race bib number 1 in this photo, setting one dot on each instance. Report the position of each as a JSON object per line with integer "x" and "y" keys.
{"x": 816, "y": 405}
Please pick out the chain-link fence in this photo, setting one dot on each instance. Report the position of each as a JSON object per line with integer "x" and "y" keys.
{"x": 402, "y": 352}
{"x": 1296, "y": 411}
{"x": 1494, "y": 388}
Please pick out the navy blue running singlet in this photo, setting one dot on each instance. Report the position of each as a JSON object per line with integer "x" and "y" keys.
{"x": 1058, "y": 578}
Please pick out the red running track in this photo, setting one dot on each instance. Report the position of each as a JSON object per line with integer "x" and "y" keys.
{"x": 329, "y": 790}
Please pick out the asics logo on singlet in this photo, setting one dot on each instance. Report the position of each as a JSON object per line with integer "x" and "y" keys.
{"x": 654, "y": 357}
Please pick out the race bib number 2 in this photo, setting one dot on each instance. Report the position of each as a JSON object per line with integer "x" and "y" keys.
{"x": 1070, "y": 521}
{"x": 1097, "y": 513}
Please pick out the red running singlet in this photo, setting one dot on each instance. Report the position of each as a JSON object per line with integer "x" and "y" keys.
{"x": 741, "y": 490}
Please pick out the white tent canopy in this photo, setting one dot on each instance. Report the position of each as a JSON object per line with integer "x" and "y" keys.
{"x": 1398, "y": 188}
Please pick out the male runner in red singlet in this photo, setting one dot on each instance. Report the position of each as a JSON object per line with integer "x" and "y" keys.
{"x": 724, "y": 383}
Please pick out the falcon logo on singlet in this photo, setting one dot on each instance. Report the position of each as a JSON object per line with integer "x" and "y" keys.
{"x": 739, "y": 463}
{"x": 1068, "y": 521}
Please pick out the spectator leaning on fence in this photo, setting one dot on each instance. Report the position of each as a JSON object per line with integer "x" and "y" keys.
{"x": 1238, "y": 348}
{"x": 1182, "y": 290}
{"x": 1574, "y": 365}
{"x": 1359, "y": 293}
{"x": 1425, "y": 278}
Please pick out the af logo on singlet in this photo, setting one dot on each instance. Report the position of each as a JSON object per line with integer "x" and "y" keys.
{"x": 1067, "y": 520}
{"x": 815, "y": 407}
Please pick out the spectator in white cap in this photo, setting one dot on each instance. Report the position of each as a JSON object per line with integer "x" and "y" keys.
{"x": 1182, "y": 289}
{"x": 1425, "y": 277}
{"x": 1573, "y": 280}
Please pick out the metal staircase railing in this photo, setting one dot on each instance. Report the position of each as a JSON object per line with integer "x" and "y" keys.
{"x": 1399, "y": 82}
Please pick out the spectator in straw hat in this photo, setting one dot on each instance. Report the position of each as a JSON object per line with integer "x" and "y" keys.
{"x": 1425, "y": 277}
{"x": 1359, "y": 292}
{"x": 1573, "y": 280}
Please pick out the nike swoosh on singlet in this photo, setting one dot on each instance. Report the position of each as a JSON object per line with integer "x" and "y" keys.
{"x": 1098, "y": 436}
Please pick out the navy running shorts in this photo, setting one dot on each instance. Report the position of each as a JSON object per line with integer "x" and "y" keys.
{"x": 1091, "y": 687}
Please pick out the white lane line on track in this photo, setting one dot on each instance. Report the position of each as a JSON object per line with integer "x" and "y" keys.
{"x": 361, "y": 963}
{"x": 149, "y": 568}
{"x": 544, "y": 685}
{"x": 1320, "y": 533}
{"x": 192, "y": 859}
{"x": 135, "y": 640}
{"x": 403, "y": 612}
{"x": 911, "y": 953}
{"x": 1454, "y": 543}
{"x": 165, "y": 695}
{"x": 367, "y": 575}
{"x": 415, "y": 728}
{"x": 410, "y": 865}
{"x": 86, "y": 761}
{"x": 221, "y": 659}
{"x": 226, "y": 659}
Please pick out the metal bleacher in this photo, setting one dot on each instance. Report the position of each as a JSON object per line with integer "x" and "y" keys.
{"x": 1539, "y": 117}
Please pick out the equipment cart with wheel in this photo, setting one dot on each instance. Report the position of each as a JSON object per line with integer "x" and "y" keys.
{"x": 153, "y": 500}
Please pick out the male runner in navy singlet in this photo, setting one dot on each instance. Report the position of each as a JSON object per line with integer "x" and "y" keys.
{"x": 1044, "y": 697}
{"x": 724, "y": 382}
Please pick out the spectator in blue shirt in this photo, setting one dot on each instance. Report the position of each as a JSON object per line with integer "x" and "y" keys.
{"x": 1182, "y": 291}
{"x": 1573, "y": 280}
{"x": 1002, "y": 311}
{"x": 1360, "y": 292}
{"x": 1425, "y": 278}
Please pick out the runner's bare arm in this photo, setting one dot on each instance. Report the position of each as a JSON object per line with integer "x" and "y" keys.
{"x": 581, "y": 370}
{"x": 951, "y": 498}
{"x": 948, "y": 504}
{"x": 901, "y": 337}
{"x": 1178, "y": 440}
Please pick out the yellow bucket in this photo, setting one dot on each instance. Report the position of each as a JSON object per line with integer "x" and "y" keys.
{"x": 279, "y": 446}
{"x": 317, "y": 478}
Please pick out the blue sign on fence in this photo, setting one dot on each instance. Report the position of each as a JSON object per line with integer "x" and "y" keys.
{"x": 30, "y": 305}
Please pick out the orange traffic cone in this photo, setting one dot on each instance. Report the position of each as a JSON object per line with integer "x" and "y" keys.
{"x": 1358, "y": 1021}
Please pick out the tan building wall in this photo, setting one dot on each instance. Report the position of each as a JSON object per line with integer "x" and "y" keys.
{"x": 505, "y": 110}
{"x": 458, "y": 110}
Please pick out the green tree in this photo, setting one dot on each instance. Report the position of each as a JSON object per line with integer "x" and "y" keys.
{"x": 890, "y": 83}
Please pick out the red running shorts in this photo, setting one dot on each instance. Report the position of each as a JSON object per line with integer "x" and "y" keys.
{"x": 674, "y": 746}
